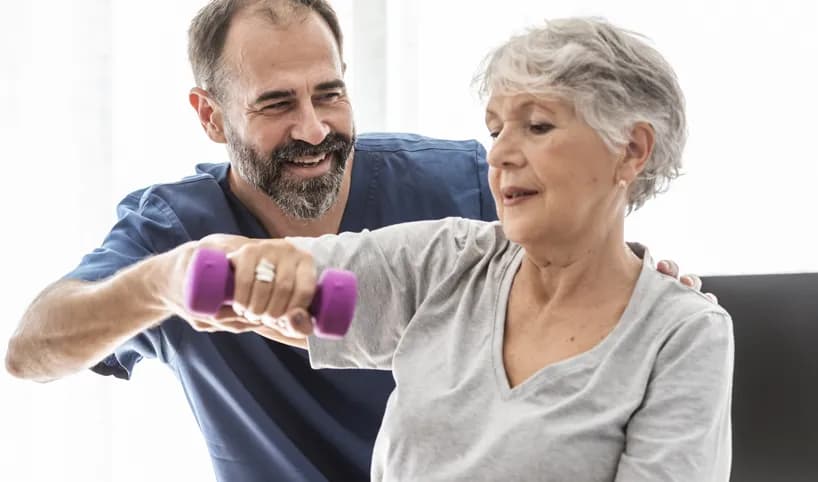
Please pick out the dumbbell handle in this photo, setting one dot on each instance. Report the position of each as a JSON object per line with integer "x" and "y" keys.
{"x": 210, "y": 283}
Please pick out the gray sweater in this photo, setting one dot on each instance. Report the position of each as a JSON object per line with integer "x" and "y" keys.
{"x": 651, "y": 402}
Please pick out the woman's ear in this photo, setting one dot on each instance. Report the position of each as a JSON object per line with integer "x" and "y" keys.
{"x": 210, "y": 114}
{"x": 637, "y": 152}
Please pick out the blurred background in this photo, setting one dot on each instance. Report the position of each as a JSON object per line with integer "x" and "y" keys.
{"x": 94, "y": 99}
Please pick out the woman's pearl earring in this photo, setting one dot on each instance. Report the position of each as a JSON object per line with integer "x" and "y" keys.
{"x": 623, "y": 184}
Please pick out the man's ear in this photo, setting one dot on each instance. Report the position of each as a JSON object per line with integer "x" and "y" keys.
{"x": 637, "y": 152}
{"x": 210, "y": 114}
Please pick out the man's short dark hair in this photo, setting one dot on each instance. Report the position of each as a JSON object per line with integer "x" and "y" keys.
{"x": 208, "y": 33}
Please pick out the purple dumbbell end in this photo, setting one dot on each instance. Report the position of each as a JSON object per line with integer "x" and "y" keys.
{"x": 210, "y": 284}
{"x": 334, "y": 303}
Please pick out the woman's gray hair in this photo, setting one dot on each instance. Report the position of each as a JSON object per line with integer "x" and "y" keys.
{"x": 613, "y": 79}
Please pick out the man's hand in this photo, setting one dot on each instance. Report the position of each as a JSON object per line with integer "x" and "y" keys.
{"x": 72, "y": 324}
{"x": 275, "y": 309}
{"x": 172, "y": 292}
{"x": 670, "y": 268}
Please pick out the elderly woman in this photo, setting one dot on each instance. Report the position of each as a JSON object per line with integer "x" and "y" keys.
{"x": 540, "y": 347}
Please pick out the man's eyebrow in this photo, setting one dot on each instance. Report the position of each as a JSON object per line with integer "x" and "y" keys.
{"x": 331, "y": 85}
{"x": 284, "y": 94}
{"x": 274, "y": 95}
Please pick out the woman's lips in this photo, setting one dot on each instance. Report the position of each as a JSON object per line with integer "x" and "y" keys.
{"x": 513, "y": 195}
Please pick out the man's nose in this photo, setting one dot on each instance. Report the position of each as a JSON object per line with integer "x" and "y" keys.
{"x": 309, "y": 127}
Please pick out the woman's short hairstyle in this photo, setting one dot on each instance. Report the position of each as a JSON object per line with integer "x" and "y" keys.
{"x": 614, "y": 80}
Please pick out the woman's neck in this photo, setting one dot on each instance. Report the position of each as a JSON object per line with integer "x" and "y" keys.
{"x": 568, "y": 274}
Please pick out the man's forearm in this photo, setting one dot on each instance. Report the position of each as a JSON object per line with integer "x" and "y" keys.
{"x": 73, "y": 325}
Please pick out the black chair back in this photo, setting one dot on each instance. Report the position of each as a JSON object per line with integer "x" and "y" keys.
{"x": 775, "y": 390}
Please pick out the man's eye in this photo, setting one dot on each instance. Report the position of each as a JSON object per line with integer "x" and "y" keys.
{"x": 276, "y": 106}
{"x": 330, "y": 96}
{"x": 540, "y": 128}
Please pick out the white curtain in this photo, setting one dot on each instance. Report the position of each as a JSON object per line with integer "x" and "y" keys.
{"x": 55, "y": 142}
{"x": 94, "y": 94}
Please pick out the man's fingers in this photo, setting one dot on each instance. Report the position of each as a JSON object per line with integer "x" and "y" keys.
{"x": 230, "y": 325}
{"x": 668, "y": 267}
{"x": 226, "y": 315}
{"x": 282, "y": 290}
{"x": 693, "y": 281}
{"x": 200, "y": 325}
{"x": 261, "y": 290}
{"x": 244, "y": 276}
{"x": 301, "y": 324}
{"x": 305, "y": 286}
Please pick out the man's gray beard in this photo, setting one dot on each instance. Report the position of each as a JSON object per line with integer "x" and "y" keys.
{"x": 299, "y": 199}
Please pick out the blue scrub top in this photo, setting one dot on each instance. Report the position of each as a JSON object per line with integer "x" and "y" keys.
{"x": 264, "y": 413}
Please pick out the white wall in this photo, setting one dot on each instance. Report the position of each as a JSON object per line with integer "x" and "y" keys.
{"x": 749, "y": 70}
{"x": 94, "y": 94}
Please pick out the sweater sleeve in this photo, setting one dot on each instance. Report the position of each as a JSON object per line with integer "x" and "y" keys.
{"x": 682, "y": 431}
{"x": 396, "y": 268}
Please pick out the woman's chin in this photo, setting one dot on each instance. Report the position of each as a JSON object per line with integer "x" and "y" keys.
{"x": 518, "y": 231}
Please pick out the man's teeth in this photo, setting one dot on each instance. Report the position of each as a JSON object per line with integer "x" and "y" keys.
{"x": 307, "y": 160}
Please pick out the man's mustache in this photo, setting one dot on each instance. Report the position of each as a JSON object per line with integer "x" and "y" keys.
{"x": 334, "y": 142}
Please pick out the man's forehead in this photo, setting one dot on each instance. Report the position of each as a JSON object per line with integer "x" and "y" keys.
{"x": 261, "y": 54}
{"x": 304, "y": 36}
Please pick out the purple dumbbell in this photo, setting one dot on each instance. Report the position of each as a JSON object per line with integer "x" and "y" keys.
{"x": 210, "y": 284}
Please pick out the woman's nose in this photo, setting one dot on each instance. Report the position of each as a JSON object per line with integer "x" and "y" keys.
{"x": 505, "y": 152}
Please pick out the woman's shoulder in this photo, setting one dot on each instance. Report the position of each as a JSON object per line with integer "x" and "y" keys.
{"x": 675, "y": 306}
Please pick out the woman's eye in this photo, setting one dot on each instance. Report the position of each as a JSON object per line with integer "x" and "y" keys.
{"x": 540, "y": 128}
{"x": 494, "y": 134}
